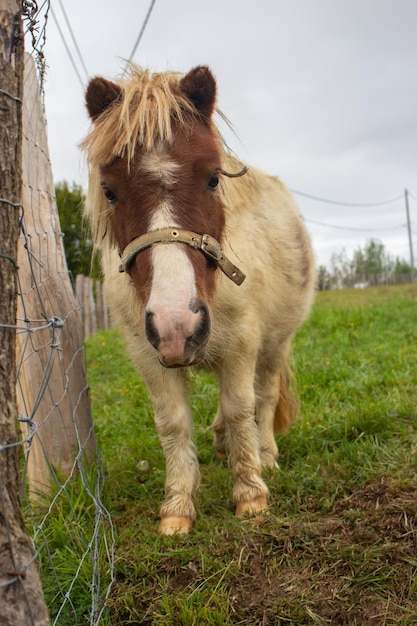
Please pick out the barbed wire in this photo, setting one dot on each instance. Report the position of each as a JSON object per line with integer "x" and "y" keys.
{"x": 36, "y": 19}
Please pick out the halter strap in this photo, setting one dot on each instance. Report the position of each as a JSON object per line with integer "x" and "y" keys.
{"x": 209, "y": 246}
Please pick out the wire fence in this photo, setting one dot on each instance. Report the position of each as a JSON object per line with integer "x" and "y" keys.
{"x": 63, "y": 482}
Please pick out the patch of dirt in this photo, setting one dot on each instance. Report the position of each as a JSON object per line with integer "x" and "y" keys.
{"x": 337, "y": 569}
{"x": 355, "y": 566}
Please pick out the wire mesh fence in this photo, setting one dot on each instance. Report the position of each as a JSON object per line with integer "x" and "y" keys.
{"x": 62, "y": 480}
{"x": 62, "y": 476}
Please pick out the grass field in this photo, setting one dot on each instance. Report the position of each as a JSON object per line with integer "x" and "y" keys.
{"x": 340, "y": 543}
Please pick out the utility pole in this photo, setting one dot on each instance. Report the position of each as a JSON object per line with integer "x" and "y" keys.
{"x": 410, "y": 238}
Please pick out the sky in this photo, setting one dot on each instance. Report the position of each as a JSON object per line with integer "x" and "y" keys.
{"x": 322, "y": 93}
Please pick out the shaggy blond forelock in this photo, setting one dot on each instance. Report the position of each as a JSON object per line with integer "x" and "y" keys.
{"x": 142, "y": 116}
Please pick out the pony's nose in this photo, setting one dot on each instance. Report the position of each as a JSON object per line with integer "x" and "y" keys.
{"x": 180, "y": 339}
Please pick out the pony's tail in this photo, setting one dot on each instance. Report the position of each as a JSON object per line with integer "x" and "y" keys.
{"x": 288, "y": 402}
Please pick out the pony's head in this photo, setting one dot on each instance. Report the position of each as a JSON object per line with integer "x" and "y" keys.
{"x": 155, "y": 161}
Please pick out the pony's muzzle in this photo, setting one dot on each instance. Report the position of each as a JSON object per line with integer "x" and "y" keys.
{"x": 180, "y": 340}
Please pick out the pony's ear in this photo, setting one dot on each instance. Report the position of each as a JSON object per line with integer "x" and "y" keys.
{"x": 199, "y": 86}
{"x": 100, "y": 94}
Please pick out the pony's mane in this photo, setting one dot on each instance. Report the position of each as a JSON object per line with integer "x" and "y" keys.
{"x": 143, "y": 115}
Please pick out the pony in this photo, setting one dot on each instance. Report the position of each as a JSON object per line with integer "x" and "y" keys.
{"x": 206, "y": 264}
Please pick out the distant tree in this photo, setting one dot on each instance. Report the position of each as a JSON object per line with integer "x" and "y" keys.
{"x": 78, "y": 242}
{"x": 359, "y": 265}
{"x": 324, "y": 279}
{"x": 371, "y": 265}
{"x": 402, "y": 271}
{"x": 376, "y": 263}
{"x": 401, "y": 266}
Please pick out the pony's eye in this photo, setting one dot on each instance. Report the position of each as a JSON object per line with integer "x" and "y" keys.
{"x": 110, "y": 195}
{"x": 213, "y": 182}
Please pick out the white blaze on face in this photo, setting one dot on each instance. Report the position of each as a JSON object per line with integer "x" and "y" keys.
{"x": 173, "y": 289}
{"x": 173, "y": 283}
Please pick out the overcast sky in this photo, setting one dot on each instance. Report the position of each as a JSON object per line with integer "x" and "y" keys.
{"x": 322, "y": 93}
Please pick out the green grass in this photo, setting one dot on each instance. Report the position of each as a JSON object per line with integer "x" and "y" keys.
{"x": 67, "y": 522}
{"x": 340, "y": 543}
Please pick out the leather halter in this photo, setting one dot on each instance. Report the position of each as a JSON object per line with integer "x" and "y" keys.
{"x": 208, "y": 245}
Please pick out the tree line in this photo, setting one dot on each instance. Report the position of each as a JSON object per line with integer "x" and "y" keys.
{"x": 370, "y": 265}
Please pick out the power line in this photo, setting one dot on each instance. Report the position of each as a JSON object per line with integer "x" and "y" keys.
{"x": 354, "y": 204}
{"x": 71, "y": 32}
{"x": 361, "y": 230}
{"x": 71, "y": 58}
{"x": 142, "y": 30}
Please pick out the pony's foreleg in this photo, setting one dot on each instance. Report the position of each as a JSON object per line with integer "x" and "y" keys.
{"x": 237, "y": 405}
{"x": 173, "y": 421}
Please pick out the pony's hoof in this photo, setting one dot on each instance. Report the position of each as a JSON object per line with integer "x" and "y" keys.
{"x": 251, "y": 507}
{"x": 175, "y": 525}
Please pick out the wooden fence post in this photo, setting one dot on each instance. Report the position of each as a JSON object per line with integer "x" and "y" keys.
{"x": 101, "y": 307}
{"x": 90, "y": 322}
{"x": 94, "y": 306}
{"x": 21, "y": 598}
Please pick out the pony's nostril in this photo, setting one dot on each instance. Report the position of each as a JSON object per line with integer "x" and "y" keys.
{"x": 151, "y": 331}
{"x": 202, "y": 329}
